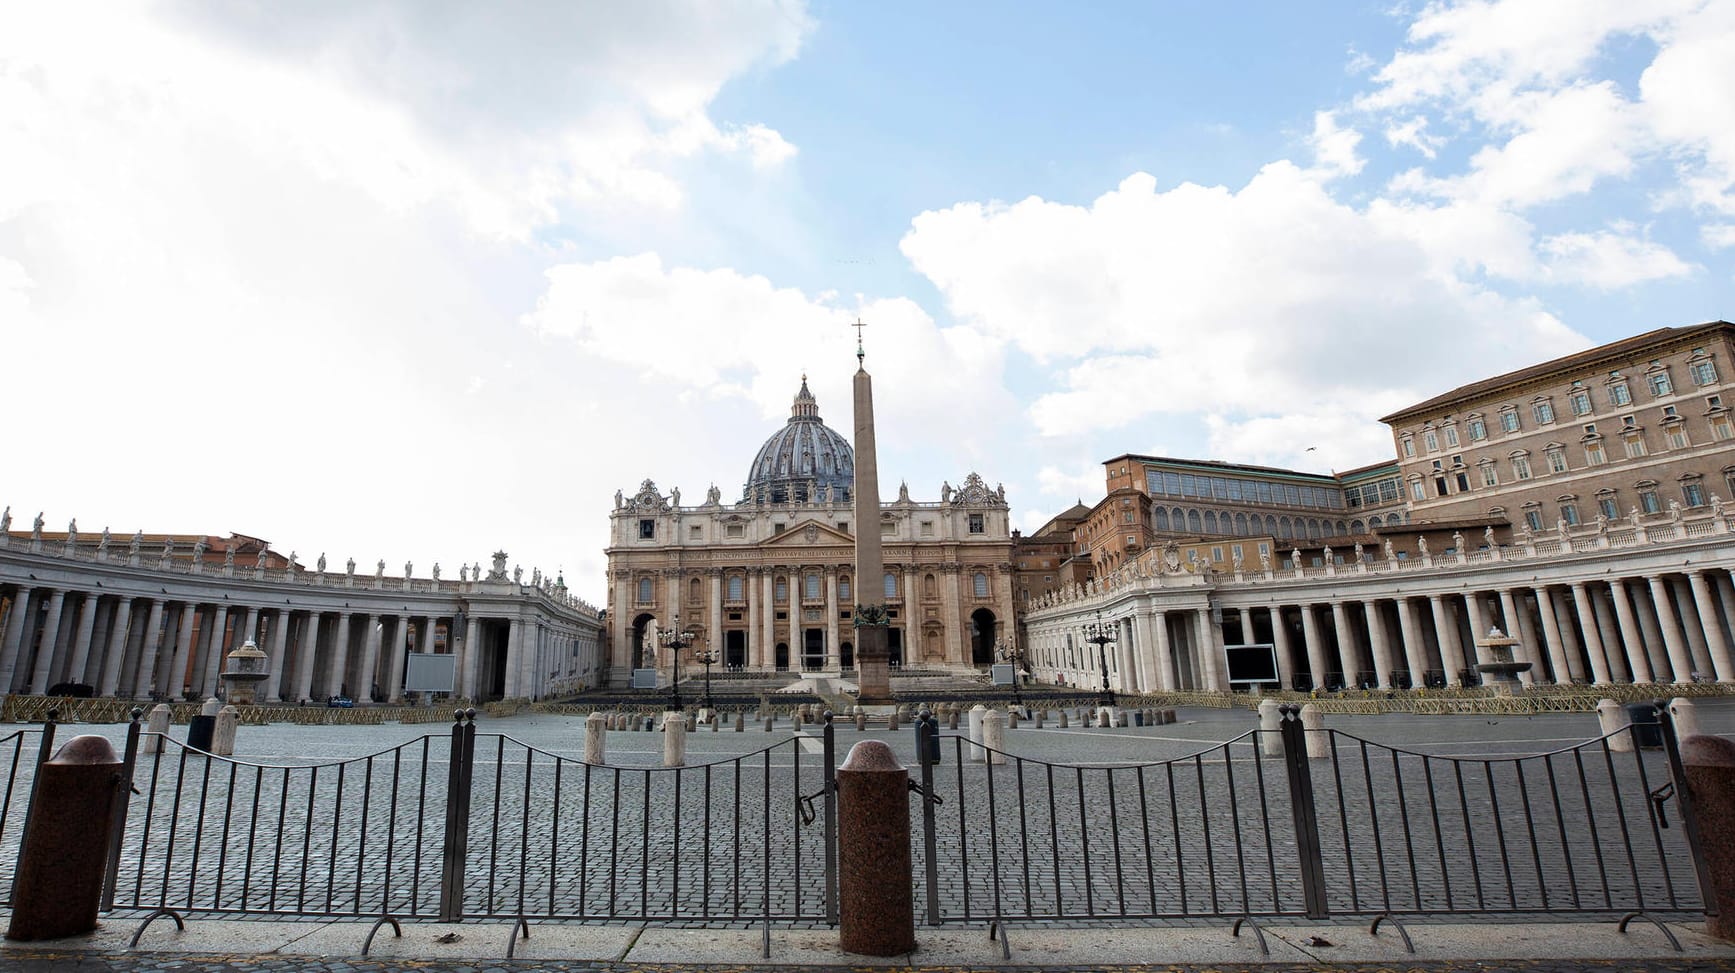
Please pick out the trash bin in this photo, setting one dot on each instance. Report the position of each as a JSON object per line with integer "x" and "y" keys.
{"x": 199, "y": 732}
{"x": 1647, "y": 728}
{"x": 928, "y": 739}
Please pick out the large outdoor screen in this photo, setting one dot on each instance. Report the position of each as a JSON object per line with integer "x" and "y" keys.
{"x": 1251, "y": 663}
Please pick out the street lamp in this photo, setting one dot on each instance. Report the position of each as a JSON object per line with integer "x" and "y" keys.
{"x": 707, "y": 655}
{"x": 1007, "y": 650}
{"x": 675, "y": 640}
{"x": 1101, "y": 635}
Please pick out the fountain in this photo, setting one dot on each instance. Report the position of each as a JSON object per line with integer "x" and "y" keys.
{"x": 1503, "y": 669}
{"x": 246, "y": 670}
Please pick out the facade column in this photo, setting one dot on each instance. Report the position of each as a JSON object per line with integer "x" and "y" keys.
{"x": 1550, "y": 628}
{"x": 1610, "y": 635}
{"x": 251, "y": 632}
{"x": 175, "y": 686}
{"x": 150, "y": 647}
{"x": 951, "y": 602}
{"x": 1645, "y": 614}
{"x": 115, "y": 654}
{"x": 1347, "y": 656}
{"x": 1694, "y": 632}
{"x": 81, "y": 639}
{"x": 714, "y": 626}
{"x": 368, "y": 677}
{"x": 768, "y": 616}
{"x": 1415, "y": 645}
{"x": 1285, "y": 649}
{"x": 1446, "y": 633}
{"x": 470, "y": 662}
{"x": 1382, "y": 649}
{"x": 1209, "y": 650}
{"x": 1127, "y": 645}
{"x": 755, "y": 655}
{"x": 833, "y": 661}
{"x": 1164, "y": 652}
{"x": 621, "y": 622}
{"x": 304, "y": 658}
{"x": 1244, "y": 621}
{"x": 1532, "y": 653}
{"x": 1318, "y": 667}
{"x": 1478, "y": 626}
{"x": 335, "y": 674}
{"x": 1631, "y": 640}
{"x": 912, "y": 614}
{"x": 279, "y": 649}
{"x": 17, "y": 623}
{"x": 514, "y": 659}
{"x": 1679, "y": 658}
{"x": 1599, "y": 670}
{"x": 50, "y": 637}
{"x": 1713, "y": 628}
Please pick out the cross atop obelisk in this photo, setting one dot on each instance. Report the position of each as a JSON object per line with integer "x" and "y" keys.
{"x": 871, "y": 632}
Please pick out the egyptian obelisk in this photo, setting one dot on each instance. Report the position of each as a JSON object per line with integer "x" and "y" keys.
{"x": 871, "y": 651}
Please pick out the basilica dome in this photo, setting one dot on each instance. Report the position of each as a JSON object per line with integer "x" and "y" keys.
{"x": 805, "y": 459}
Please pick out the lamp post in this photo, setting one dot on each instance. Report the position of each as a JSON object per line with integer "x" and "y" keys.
{"x": 1007, "y": 650}
{"x": 707, "y": 655}
{"x": 675, "y": 640}
{"x": 1100, "y": 635}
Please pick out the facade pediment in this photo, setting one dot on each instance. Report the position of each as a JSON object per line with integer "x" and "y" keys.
{"x": 808, "y": 533}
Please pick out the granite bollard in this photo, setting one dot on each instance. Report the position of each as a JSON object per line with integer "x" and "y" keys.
{"x": 674, "y": 740}
{"x": 975, "y": 732}
{"x": 1686, "y": 717}
{"x": 1709, "y": 765}
{"x": 1313, "y": 727}
{"x": 1614, "y": 720}
{"x": 876, "y": 905}
{"x": 1270, "y": 741}
{"x": 1063, "y": 721}
{"x": 223, "y": 731}
{"x": 596, "y": 739}
{"x": 65, "y": 848}
{"x": 994, "y": 736}
{"x": 157, "y": 723}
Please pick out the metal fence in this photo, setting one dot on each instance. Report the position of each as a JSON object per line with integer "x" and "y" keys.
{"x": 1365, "y": 829}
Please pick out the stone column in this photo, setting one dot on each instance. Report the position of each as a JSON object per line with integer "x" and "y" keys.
{"x": 115, "y": 654}
{"x": 17, "y": 622}
{"x": 1527, "y": 652}
{"x": 303, "y": 687}
{"x": 367, "y": 676}
{"x": 755, "y": 633}
{"x": 833, "y": 661}
{"x": 1645, "y": 613}
{"x": 471, "y": 662}
{"x": 1690, "y": 627}
{"x": 395, "y": 665}
{"x": 1382, "y": 648}
{"x": 1415, "y": 645}
{"x": 81, "y": 639}
{"x": 514, "y": 659}
{"x": 1679, "y": 659}
{"x": 1316, "y": 660}
{"x": 1610, "y": 636}
{"x": 715, "y": 629}
{"x": 1478, "y": 626}
{"x": 1592, "y": 639}
{"x": 1124, "y": 661}
{"x": 250, "y": 632}
{"x": 334, "y": 680}
{"x": 1721, "y": 661}
{"x": 1446, "y": 633}
{"x": 1630, "y": 637}
{"x": 951, "y": 611}
{"x": 1551, "y": 631}
{"x": 214, "y": 658}
{"x": 1165, "y": 653}
{"x": 144, "y": 682}
{"x": 50, "y": 637}
{"x": 278, "y": 650}
{"x": 1575, "y": 654}
{"x": 1209, "y": 650}
{"x": 175, "y": 684}
{"x": 1347, "y": 656}
{"x": 1285, "y": 649}
{"x": 1244, "y": 621}
{"x": 768, "y": 616}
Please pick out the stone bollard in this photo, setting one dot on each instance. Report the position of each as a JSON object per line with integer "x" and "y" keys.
{"x": 994, "y": 736}
{"x": 1104, "y": 718}
{"x": 1686, "y": 717}
{"x": 692, "y": 723}
{"x": 1037, "y": 721}
{"x": 1613, "y": 717}
{"x": 952, "y": 719}
{"x": 1709, "y": 765}
{"x": 975, "y": 732}
{"x": 157, "y": 722}
{"x": 1120, "y": 719}
{"x": 202, "y": 727}
{"x": 65, "y": 848}
{"x": 740, "y": 722}
{"x": 769, "y": 722}
{"x": 674, "y": 740}
{"x": 715, "y": 722}
{"x": 1270, "y": 741}
{"x": 1313, "y": 727}
{"x": 876, "y": 909}
{"x": 892, "y": 720}
{"x": 860, "y": 721}
{"x": 223, "y": 733}
{"x": 596, "y": 739}
{"x": 1168, "y": 716}
{"x": 1063, "y": 721}
{"x": 1012, "y": 720}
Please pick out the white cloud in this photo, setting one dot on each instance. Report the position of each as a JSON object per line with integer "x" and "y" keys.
{"x": 1413, "y": 132}
{"x": 1086, "y": 482}
{"x": 1718, "y": 236}
{"x": 1334, "y": 147}
{"x": 1609, "y": 259}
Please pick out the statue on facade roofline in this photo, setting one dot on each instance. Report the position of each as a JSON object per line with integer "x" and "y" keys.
{"x": 1391, "y": 555}
{"x": 322, "y": 562}
{"x": 945, "y": 491}
{"x": 1458, "y": 542}
{"x": 1360, "y": 554}
{"x": 409, "y": 569}
{"x": 1422, "y": 546}
{"x": 102, "y": 544}
{"x": 137, "y": 541}
{"x": 36, "y": 528}
{"x": 619, "y": 500}
{"x": 436, "y": 571}
{"x": 72, "y": 530}
{"x": 675, "y": 496}
{"x": 6, "y": 519}
{"x": 517, "y": 574}
{"x": 350, "y": 569}
{"x": 713, "y": 496}
{"x": 229, "y": 556}
{"x": 903, "y": 492}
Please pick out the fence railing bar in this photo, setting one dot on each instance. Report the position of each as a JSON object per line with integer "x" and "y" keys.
{"x": 281, "y": 829}
{"x": 614, "y": 831}
{"x": 1530, "y": 829}
{"x": 645, "y": 846}
{"x": 1235, "y": 828}
{"x": 1083, "y": 839}
{"x": 1264, "y": 820}
{"x": 1374, "y": 819}
{"x": 994, "y": 832}
{"x": 1590, "y": 822}
{"x": 1024, "y": 829}
{"x": 1174, "y": 829}
{"x": 584, "y": 845}
{"x": 1343, "y": 823}
{"x": 367, "y": 788}
{"x": 1439, "y": 839}
{"x": 1409, "y": 835}
{"x": 1560, "y": 830}
{"x": 1499, "y": 831}
{"x": 223, "y": 843}
{"x": 705, "y": 839}
{"x": 306, "y": 832}
{"x": 1651, "y": 819}
{"x": 1621, "y": 815}
{"x": 252, "y": 835}
{"x": 524, "y": 831}
{"x": 1469, "y": 835}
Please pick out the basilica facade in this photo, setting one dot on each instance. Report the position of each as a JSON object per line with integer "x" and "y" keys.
{"x": 768, "y": 582}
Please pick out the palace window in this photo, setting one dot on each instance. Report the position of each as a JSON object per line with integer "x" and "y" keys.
{"x": 1648, "y": 501}
{"x": 647, "y": 529}
{"x": 1720, "y": 428}
{"x": 977, "y": 526}
{"x": 1533, "y": 519}
{"x": 1693, "y": 493}
{"x": 1704, "y": 372}
{"x": 1417, "y": 491}
{"x": 781, "y": 589}
{"x": 1580, "y": 400}
{"x": 1659, "y": 383}
{"x": 1452, "y": 436}
{"x": 891, "y": 585}
{"x": 734, "y": 587}
{"x": 1569, "y": 513}
{"x": 1556, "y": 460}
{"x": 1677, "y": 435}
{"x": 812, "y": 586}
{"x": 1635, "y": 443}
{"x": 1478, "y": 430}
{"x": 1542, "y": 411}
{"x": 843, "y": 590}
{"x": 1610, "y": 507}
{"x": 1409, "y": 446}
{"x": 1620, "y": 394}
{"x": 1431, "y": 440}
{"x": 1594, "y": 455}
{"x": 979, "y": 584}
{"x": 1490, "y": 476}
{"x": 1509, "y": 419}
{"x": 1521, "y": 467}
{"x": 644, "y": 591}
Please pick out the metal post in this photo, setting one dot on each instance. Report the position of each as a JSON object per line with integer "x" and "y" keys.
{"x": 830, "y": 818}
{"x": 927, "y": 745}
{"x": 42, "y": 752}
{"x": 456, "y": 846}
{"x": 122, "y": 799}
{"x": 1306, "y": 814}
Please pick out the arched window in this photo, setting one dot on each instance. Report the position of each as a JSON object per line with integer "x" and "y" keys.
{"x": 1271, "y": 525}
{"x": 644, "y": 591}
{"x": 1283, "y": 529}
{"x": 693, "y": 590}
{"x": 1178, "y": 518}
{"x": 1373, "y": 521}
{"x": 812, "y": 585}
{"x": 1340, "y": 529}
{"x": 1210, "y": 521}
{"x": 843, "y": 589}
{"x": 981, "y": 583}
{"x": 930, "y": 587}
{"x": 1194, "y": 524}
{"x": 891, "y": 585}
{"x": 1313, "y": 528}
{"x": 1241, "y": 524}
{"x": 1356, "y": 526}
{"x": 1160, "y": 516}
{"x": 735, "y": 587}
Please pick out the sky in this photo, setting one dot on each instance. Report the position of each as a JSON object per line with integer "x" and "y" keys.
{"x": 422, "y": 280}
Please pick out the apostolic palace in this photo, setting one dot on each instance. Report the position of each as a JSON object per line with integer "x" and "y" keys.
{"x": 1575, "y": 505}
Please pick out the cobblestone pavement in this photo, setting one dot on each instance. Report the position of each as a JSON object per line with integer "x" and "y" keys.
{"x": 1212, "y": 834}
{"x": 53, "y": 962}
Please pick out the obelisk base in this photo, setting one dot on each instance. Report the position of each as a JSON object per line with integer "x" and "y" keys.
{"x": 872, "y": 669}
